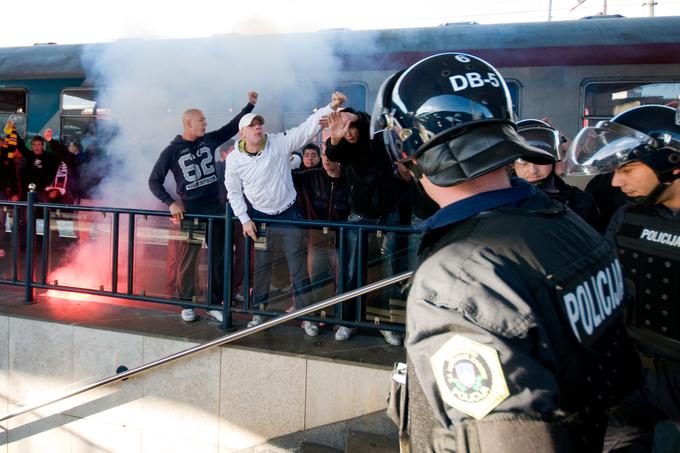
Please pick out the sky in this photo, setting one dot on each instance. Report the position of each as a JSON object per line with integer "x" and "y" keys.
{"x": 87, "y": 21}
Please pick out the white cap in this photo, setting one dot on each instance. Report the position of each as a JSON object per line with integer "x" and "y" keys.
{"x": 247, "y": 119}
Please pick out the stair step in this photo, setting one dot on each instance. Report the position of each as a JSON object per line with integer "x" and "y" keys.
{"x": 311, "y": 447}
{"x": 361, "y": 442}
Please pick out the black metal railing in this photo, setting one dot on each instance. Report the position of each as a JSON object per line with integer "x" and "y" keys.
{"x": 198, "y": 229}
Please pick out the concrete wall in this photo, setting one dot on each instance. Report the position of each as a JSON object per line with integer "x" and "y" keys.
{"x": 219, "y": 401}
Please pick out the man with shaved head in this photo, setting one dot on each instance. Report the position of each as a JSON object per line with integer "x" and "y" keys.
{"x": 191, "y": 159}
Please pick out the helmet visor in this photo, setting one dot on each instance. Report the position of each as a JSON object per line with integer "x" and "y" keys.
{"x": 541, "y": 138}
{"x": 378, "y": 115}
{"x": 602, "y": 148}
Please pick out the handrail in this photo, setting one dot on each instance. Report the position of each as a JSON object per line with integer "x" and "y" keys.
{"x": 166, "y": 214}
{"x": 216, "y": 342}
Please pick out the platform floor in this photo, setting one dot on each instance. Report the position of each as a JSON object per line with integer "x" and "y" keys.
{"x": 160, "y": 320}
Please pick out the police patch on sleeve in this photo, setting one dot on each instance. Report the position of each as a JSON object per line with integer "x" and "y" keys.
{"x": 469, "y": 376}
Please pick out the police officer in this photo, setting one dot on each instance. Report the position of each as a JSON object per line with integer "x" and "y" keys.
{"x": 541, "y": 135}
{"x": 515, "y": 341}
{"x": 641, "y": 146}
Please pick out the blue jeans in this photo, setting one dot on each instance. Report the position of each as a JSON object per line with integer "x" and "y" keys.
{"x": 387, "y": 249}
{"x": 292, "y": 241}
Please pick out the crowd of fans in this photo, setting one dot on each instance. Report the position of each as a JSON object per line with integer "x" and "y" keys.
{"x": 59, "y": 171}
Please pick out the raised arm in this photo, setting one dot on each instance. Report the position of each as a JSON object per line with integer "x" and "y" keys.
{"x": 23, "y": 149}
{"x": 338, "y": 149}
{"x": 59, "y": 149}
{"x": 230, "y": 129}
{"x": 296, "y": 137}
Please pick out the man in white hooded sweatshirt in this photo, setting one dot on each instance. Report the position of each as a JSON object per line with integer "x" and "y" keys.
{"x": 259, "y": 169}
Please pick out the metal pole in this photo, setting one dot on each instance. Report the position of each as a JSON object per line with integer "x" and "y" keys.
{"x": 210, "y": 244}
{"x": 115, "y": 232}
{"x": 359, "y": 272}
{"x": 131, "y": 252}
{"x": 15, "y": 243}
{"x": 30, "y": 237}
{"x": 228, "y": 263}
{"x": 549, "y": 10}
{"x": 45, "y": 245}
{"x": 216, "y": 342}
{"x": 248, "y": 247}
{"x": 340, "y": 266}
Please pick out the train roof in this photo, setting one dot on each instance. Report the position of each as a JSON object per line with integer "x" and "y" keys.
{"x": 377, "y": 46}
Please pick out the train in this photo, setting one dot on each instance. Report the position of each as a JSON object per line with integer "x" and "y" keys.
{"x": 574, "y": 72}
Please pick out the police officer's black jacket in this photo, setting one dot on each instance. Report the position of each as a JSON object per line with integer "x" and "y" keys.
{"x": 579, "y": 201}
{"x": 516, "y": 271}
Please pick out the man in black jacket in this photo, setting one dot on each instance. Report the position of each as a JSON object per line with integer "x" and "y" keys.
{"x": 374, "y": 198}
{"x": 41, "y": 166}
{"x": 323, "y": 193}
{"x": 191, "y": 159}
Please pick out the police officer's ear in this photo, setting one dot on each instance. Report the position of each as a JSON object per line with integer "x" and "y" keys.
{"x": 676, "y": 171}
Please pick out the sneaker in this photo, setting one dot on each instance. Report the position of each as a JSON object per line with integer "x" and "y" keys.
{"x": 311, "y": 328}
{"x": 217, "y": 314}
{"x": 256, "y": 321}
{"x": 343, "y": 333}
{"x": 238, "y": 297}
{"x": 188, "y": 315}
{"x": 392, "y": 338}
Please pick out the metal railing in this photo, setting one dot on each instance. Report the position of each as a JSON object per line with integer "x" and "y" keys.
{"x": 127, "y": 291}
{"x": 217, "y": 342}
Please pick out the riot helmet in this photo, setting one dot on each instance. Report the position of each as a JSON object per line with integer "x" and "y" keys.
{"x": 540, "y": 134}
{"x": 431, "y": 117}
{"x": 649, "y": 134}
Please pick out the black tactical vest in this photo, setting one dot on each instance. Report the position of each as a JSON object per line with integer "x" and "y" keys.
{"x": 580, "y": 308}
{"x": 649, "y": 250}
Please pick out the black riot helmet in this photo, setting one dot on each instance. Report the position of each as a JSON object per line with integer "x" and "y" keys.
{"x": 542, "y": 135}
{"x": 649, "y": 134}
{"x": 451, "y": 113}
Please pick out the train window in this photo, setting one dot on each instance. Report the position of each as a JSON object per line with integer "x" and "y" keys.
{"x": 320, "y": 94}
{"x": 603, "y": 100}
{"x": 81, "y": 101}
{"x": 296, "y": 107}
{"x": 514, "y": 88}
{"x": 11, "y": 100}
{"x": 80, "y": 113}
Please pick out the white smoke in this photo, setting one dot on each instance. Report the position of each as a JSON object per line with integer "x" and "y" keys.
{"x": 148, "y": 84}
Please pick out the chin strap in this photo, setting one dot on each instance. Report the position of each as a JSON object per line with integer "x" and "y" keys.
{"x": 666, "y": 179}
{"x": 652, "y": 197}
